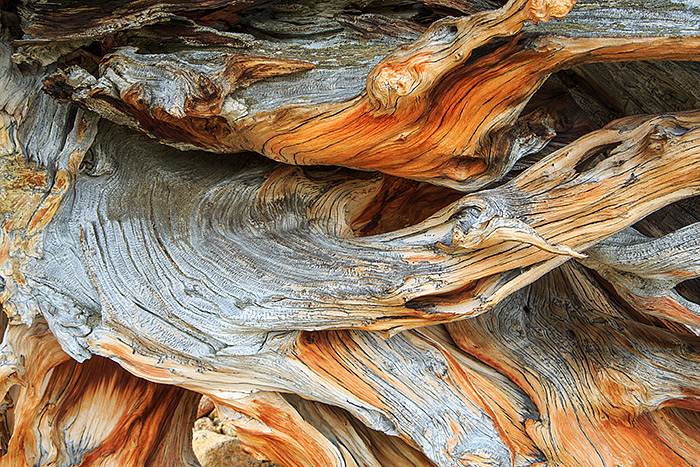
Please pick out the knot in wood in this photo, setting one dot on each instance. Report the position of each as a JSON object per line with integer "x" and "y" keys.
{"x": 544, "y": 10}
{"x": 661, "y": 133}
{"x": 656, "y": 142}
{"x": 390, "y": 84}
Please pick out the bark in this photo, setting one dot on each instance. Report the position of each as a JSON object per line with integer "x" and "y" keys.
{"x": 372, "y": 234}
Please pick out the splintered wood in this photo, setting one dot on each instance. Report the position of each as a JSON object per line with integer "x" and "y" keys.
{"x": 495, "y": 287}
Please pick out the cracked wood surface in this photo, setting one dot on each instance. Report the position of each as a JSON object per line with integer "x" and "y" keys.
{"x": 427, "y": 112}
{"x": 597, "y": 376}
{"x": 340, "y": 317}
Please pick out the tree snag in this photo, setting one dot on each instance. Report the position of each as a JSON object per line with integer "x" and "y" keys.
{"x": 406, "y": 233}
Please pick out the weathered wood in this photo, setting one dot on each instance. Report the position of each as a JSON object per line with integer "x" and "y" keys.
{"x": 468, "y": 236}
{"x": 428, "y": 112}
{"x": 646, "y": 271}
{"x": 50, "y": 20}
{"x": 596, "y": 376}
{"x": 244, "y": 215}
{"x": 59, "y": 412}
{"x": 340, "y": 317}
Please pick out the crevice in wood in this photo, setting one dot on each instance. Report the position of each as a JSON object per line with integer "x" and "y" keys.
{"x": 690, "y": 290}
{"x": 670, "y": 218}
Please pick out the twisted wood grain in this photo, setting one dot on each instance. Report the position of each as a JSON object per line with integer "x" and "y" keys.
{"x": 309, "y": 302}
{"x": 597, "y": 377}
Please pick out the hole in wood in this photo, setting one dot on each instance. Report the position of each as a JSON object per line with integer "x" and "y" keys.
{"x": 670, "y": 218}
{"x": 594, "y": 157}
{"x": 690, "y": 290}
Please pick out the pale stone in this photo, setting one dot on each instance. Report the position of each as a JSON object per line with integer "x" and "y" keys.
{"x": 205, "y": 407}
{"x": 204, "y": 423}
{"x": 217, "y": 450}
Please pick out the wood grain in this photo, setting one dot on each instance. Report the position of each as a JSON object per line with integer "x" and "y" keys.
{"x": 596, "y": 376}
{"x": 439, "y": 309}
{"x": 59, "y": 412}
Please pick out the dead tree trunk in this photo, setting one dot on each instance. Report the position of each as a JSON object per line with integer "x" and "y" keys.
{"x": 509, "y": 280}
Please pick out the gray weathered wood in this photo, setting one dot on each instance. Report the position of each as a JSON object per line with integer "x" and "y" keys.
{"x": 343, "y": 317}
